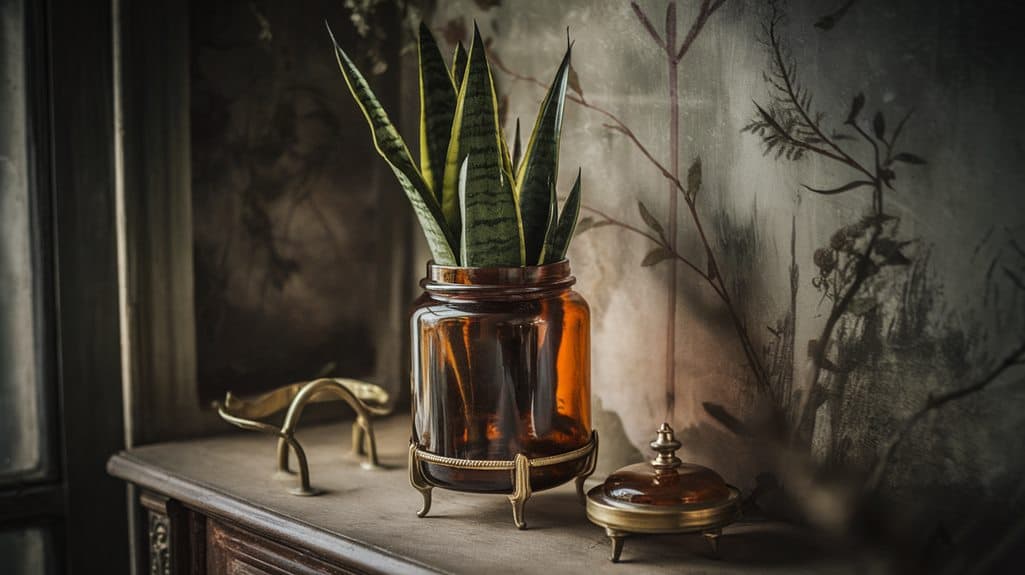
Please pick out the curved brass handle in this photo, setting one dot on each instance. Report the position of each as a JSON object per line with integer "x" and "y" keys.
{"x": 373, "y": 397}
{"x": 300, "y": 454}
{"x": 351, "y": 391}
{"x": 366, "y": 399}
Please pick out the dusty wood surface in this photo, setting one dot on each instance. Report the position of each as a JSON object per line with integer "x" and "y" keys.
{"x": 367, "y": 519}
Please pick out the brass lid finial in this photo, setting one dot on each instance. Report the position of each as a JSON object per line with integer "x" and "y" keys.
{"x": 665, "y": 445}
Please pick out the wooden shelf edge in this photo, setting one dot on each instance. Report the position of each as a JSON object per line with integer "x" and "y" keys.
{"x": 334, "y": 547}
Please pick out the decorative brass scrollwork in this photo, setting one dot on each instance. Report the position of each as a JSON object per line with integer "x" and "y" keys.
{"x": 366, "y": 399}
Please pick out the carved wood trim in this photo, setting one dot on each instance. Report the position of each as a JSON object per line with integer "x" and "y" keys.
{"x": 159, "y": 543}
{"x": 175, "y": 536}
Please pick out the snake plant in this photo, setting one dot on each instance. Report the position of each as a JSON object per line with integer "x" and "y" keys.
{"x": 478, "y": 205}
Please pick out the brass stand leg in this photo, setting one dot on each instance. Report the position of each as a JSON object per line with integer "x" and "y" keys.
{"x": 712, "y": 536}
{"x": 358, "y": 446}
{"x": 304, "y": 489}
{"x": 362, "y": 431}
{"x": 617, "y": 538}
{"x": 364, "y": 443}
{"x": 592, "y": 461}
{"x": 521, "y": 489}
{"x": 418, "y": 481}
{"x": 285, "y": 440}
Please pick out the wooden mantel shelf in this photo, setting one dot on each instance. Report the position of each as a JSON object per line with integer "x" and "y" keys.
{"x": 365, "y": 521}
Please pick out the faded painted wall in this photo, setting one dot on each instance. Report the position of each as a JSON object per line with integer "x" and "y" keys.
{"x": 845, "y": 290}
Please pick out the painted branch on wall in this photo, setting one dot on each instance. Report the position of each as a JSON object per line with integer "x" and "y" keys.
{"x": 664, "y": 236}
{"x": 792, "y": 129}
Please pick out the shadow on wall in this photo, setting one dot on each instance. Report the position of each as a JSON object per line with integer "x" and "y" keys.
{"x": 285, "y": 207}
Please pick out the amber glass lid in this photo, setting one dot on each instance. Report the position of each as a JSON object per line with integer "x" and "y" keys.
{"x": 666, "y": 481}
{"x": 664, "y": 495}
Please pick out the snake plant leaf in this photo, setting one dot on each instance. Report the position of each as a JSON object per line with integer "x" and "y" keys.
{"x": 507, "y": 163}
{"x": 539, "y": 168}
{"x": 517, "y": 154}
{"x": 485, "y": 205}
{"x": 462, "y": 209}
{"x": 459, "y": 65}
{"x": 558, "y": 242}
{"x": 553, "y": 222}
{"x": 437, "y": 106}
{"x": 393, "y": 149}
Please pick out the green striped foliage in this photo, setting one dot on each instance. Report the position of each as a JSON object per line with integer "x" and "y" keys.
{"x": 550, "y": 227}
{"x": 507, "y": 163}
{"x": 437, "y": 106}
{"x": 517, "y": 153}
{"x": 484, "y": 203}
{"x": 458, "y": 64}
{"x": 393, "y": 149}
{"x": 558, "y": 241}
{"x": 540, "y": 166}
{"x": 478, "y": 204}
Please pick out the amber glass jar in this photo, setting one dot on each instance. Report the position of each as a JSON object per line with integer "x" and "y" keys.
{"x": 500, "y": 366}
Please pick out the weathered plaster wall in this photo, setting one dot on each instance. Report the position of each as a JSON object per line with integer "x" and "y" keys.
{"x": 939, "y": 303}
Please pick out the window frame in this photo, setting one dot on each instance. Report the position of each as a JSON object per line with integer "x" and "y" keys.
{"x": 70, "y": 182}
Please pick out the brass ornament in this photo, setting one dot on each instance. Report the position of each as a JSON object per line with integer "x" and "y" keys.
{"x": 366, "y": 399}
{"x": 676, "y": 509}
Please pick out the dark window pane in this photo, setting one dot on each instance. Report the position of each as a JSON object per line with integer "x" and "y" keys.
{"x": 23, "y": 437}
{"x": 26, "y": 551}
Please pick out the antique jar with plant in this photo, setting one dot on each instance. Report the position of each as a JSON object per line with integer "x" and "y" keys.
{"x": 500, "y": 342}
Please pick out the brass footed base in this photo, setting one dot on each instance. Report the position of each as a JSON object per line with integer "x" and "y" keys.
{"x": 617, "y": 538}
{"x": 520, "y": 468}
{"x": 621, "y": 521}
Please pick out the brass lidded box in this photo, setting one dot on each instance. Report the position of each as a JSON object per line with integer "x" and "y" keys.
{"x": 663, "y": 496}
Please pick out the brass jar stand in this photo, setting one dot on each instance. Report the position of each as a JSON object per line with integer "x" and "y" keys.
{"x": 520, "y": 468}
{"x": 366, "y": 399}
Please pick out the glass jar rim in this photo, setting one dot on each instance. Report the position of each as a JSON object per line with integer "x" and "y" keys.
{"x": 507, "y": 282}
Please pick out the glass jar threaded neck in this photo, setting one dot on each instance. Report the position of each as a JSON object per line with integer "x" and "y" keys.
{"x": 505, "y": 283}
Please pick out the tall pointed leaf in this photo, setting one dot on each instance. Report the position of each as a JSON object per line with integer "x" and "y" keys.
{"x": 559, "y": 241}
{"x": 461, "y": 189}
{"x": 517, "y": 153}
{"x": 437, "y": 106}
{"x": 540, "y": 166}
{"x": 393, "y": 149}
{"x": 459, "y": 65}
{"x": 485, "y": 207}
{"x": 553, "y": 223}
{"x": 507, "y": 163}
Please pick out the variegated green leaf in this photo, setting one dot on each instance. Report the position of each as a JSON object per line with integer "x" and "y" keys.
{"x": 559, "y": 241}
{"x": 517, "y": 153}
{"x": 553, "y": 223}
{"x": 540, "y": 166}
{"x": 437, "y": 106}
{"x": 507, "y": 163}
{"x": 459, "y": 65}
{"x": 393, "y": 149}
{"x": 484, "y": 205}
{"x": 461, "y": 190}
